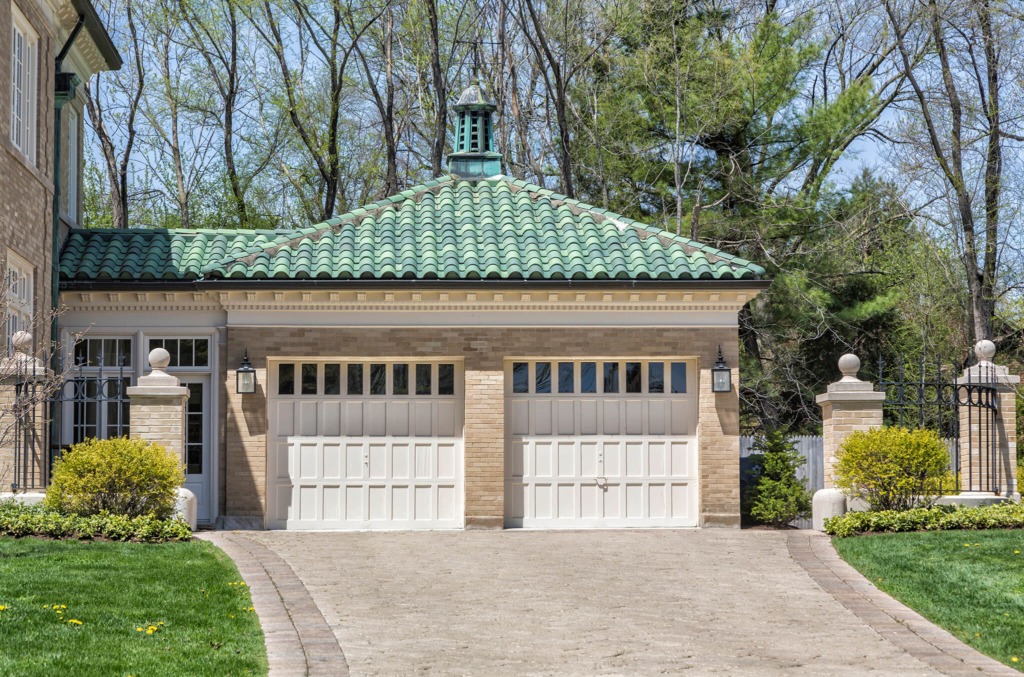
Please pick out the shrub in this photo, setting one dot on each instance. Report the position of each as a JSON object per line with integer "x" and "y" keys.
{"x": 119, "y": 476}
{"x": 38, "y": 520}
{"x": 935, "y": 518}
{"x": 892, "y": 468}
{"x": 776, "y": 496}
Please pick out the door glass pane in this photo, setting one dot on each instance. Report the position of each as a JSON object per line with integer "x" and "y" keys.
{"x": 110, "y": 353}
{"x": 332, "y": 379}
{"x": 543, "y": 377}
{"x": 194, "y": 430}
{"x": 633, "y": 377}
{"x": 400, "y": 379}
{"x": 565, "y": 377}
{"x": 655, "y": 377}
{"x": 520, "y": 377}
{"x": 202, "y": 353}
{"x": 286, "y": 379}
{"x": 588, "y": 377}
{"x": 611, "y": 377}
{"x": 153, "y": 345}
{"x": 309, "y": 379}
{"x": 446, "y": 379}
{"x": 186, "y": 355}
{"x": 679, "y": 377}
{"x": 423, "y": 379}
{"x": 355, "y": 379}
{"x": 378, "y": 379}
{"x": 126, "y": 351}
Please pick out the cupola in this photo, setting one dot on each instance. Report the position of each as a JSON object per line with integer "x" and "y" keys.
{"x": 474, "y": 157}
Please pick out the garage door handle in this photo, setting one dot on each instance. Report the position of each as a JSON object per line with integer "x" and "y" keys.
{"x": 602, "y": 482}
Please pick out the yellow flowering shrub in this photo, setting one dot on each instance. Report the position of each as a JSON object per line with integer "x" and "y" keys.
{"x": 129, "y": 477}
{"x": 893, "y": 468}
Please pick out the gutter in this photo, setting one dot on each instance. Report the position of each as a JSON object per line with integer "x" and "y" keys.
{"x": 229, "y": 284}
{"x": 98, "y": 33}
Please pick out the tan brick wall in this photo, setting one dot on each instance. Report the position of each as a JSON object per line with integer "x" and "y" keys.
{"x": 484, "y": 351}
{"x": 26, "y": 192}
{"x": 160, "y": 419}
{"x": 839, "y": 418}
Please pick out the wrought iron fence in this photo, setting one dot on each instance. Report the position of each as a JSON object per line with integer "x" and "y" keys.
{"x": 961, "y": 409}
{"x": 51, "y": 410}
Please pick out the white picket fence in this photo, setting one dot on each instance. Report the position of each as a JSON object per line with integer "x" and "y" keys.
{"x": 813, "y": 470}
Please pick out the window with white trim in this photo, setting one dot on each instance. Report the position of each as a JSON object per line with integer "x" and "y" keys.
{"x": 18, "y": 295}
{"x": 24, "y": 55}
{"x": 73, "y": 167}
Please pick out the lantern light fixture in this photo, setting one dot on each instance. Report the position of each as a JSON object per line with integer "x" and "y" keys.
{"x": 721, "y": 375}
{"x": 245, "y": 383}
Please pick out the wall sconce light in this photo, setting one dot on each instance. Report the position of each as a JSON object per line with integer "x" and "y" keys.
{"x": 245, "y": 383}
{"x": 721, "y": 375}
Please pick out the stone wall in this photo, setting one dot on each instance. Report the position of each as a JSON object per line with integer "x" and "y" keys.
{"x": 484, "y": 351}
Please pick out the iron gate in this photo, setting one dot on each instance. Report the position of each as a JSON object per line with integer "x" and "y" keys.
{"x": 961, "y": 409}
{"x": 51, "y": 410}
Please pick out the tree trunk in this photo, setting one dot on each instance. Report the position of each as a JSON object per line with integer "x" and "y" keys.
{"x": 440, "y": 92}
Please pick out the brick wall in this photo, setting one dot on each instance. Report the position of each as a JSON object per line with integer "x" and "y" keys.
{"x": 26, "y": 192}
{"x": 841, "y": 417}
{"x": 159, "y": 419}
{"x": 484, "y": 350}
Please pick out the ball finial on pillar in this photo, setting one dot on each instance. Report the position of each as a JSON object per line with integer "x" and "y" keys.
{"x": 21, "y": 341}
{"x": 159, "y": 358}
{"x": 985, "y": 350}
{"x": 849, "y": 365}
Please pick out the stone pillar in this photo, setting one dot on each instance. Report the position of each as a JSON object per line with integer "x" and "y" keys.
{"x": 158, "y": 406}
{"x": 849, "y": 405}
{"x": 988, "y": 441}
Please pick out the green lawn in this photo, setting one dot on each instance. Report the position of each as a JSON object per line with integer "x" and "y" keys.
{"x": 190, "y": 593}
{"x": 969, "y": 582}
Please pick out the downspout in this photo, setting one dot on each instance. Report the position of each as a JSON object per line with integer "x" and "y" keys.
{"x": 64, "y": 91}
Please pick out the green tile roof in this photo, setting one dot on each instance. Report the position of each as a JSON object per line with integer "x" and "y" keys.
{"x": 498, "y": 228}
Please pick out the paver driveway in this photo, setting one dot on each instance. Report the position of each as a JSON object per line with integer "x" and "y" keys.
{"x": 712, "y": 602}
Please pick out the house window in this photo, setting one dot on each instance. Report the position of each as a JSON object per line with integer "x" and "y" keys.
{"x": 24, "y": 54}
{"x": 111, "y": 353}
{"x": 17, "y": 295}
{"x": 184, "y": 352}
{"x": 97, "y": 389}
{"x": 73, "y": 168}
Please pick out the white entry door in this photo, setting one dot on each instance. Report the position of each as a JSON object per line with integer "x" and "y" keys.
{"x": 197, "y": 444}
{"x": 600, "y": 443}
{"x": 365, "y": 445}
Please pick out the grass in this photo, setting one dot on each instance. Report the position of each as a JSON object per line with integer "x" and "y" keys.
{"x": 190, "y": 593}
{"x": 970, "y": 583}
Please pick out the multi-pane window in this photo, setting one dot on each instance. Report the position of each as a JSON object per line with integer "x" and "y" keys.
{"x": 98, "y": 400}
{"x": 184, "y": 352}
{"x": 24, "y": 54}
{"x": 599, "y": 377}
{"x": 374, "y": 379}
{"x": 104, "y": 352}
{"x": 19, "y": 281}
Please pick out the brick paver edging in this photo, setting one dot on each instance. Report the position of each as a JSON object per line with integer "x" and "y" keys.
{"x": 299, "y": 641}
{"x": 894, "y": 621}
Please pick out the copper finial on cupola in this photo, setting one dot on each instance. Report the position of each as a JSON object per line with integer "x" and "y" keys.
{"x": 474, "y": 158}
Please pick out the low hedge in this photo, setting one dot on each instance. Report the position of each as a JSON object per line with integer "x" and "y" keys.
{"x": 936, "y": 518}
{"x": 18, "y": 520}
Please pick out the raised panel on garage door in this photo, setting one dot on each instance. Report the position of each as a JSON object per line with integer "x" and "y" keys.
{"x": 601, "y": 443}
{"x": 365, "y": 445}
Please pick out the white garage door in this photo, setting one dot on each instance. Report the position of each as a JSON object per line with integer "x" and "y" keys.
{"x": 600, "y": 443}
{"x": 365, "y": 445}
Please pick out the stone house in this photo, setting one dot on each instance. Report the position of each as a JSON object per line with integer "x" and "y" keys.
{"x": 474, "y": 352}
